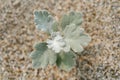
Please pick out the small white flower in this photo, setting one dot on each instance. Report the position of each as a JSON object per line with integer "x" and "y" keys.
{"x": 57, "y": 43}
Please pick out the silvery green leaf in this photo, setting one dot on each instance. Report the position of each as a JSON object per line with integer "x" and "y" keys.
{"x": 44, "y": 21}
{"x": 55, "y": 26}
{"x": 66, "y": 61}
{"x": 76, "y": 37}
{"x": 71, "y": 18}
{"x": 42, "y": 56}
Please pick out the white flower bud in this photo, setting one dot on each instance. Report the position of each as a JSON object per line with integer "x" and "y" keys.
{"x": 57, "y": 43}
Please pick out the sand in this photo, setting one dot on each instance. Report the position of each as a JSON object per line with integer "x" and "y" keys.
{"x": 99, "y": 61}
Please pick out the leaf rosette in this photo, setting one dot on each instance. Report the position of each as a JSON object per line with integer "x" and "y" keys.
{"x": 66, "y": 42}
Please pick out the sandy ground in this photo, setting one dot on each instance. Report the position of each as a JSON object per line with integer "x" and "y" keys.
{"x": 99, "y": 61}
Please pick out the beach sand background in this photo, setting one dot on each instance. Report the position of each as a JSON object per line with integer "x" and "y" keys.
{"x": 99, "y": 61}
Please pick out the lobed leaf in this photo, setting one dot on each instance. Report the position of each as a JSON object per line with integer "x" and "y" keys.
{"x": 66, "y": 61}
{"x": 42, "y": 56}
{"x": 76, "y": 37}
{"x": 71, "y": 18}
{"x": 44, "y": 21}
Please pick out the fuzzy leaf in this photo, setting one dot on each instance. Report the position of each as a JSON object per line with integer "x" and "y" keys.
{"x": 43, "y": 21}
{"x": 76, "y": 37}
{"x": 71, "y": 18}
{"x": 55, "y": 26}
{"x": 66, "y": 61}
{"x": 42, "y": 56}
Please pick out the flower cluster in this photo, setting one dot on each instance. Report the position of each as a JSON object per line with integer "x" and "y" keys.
{"x": 57, "y": 43}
